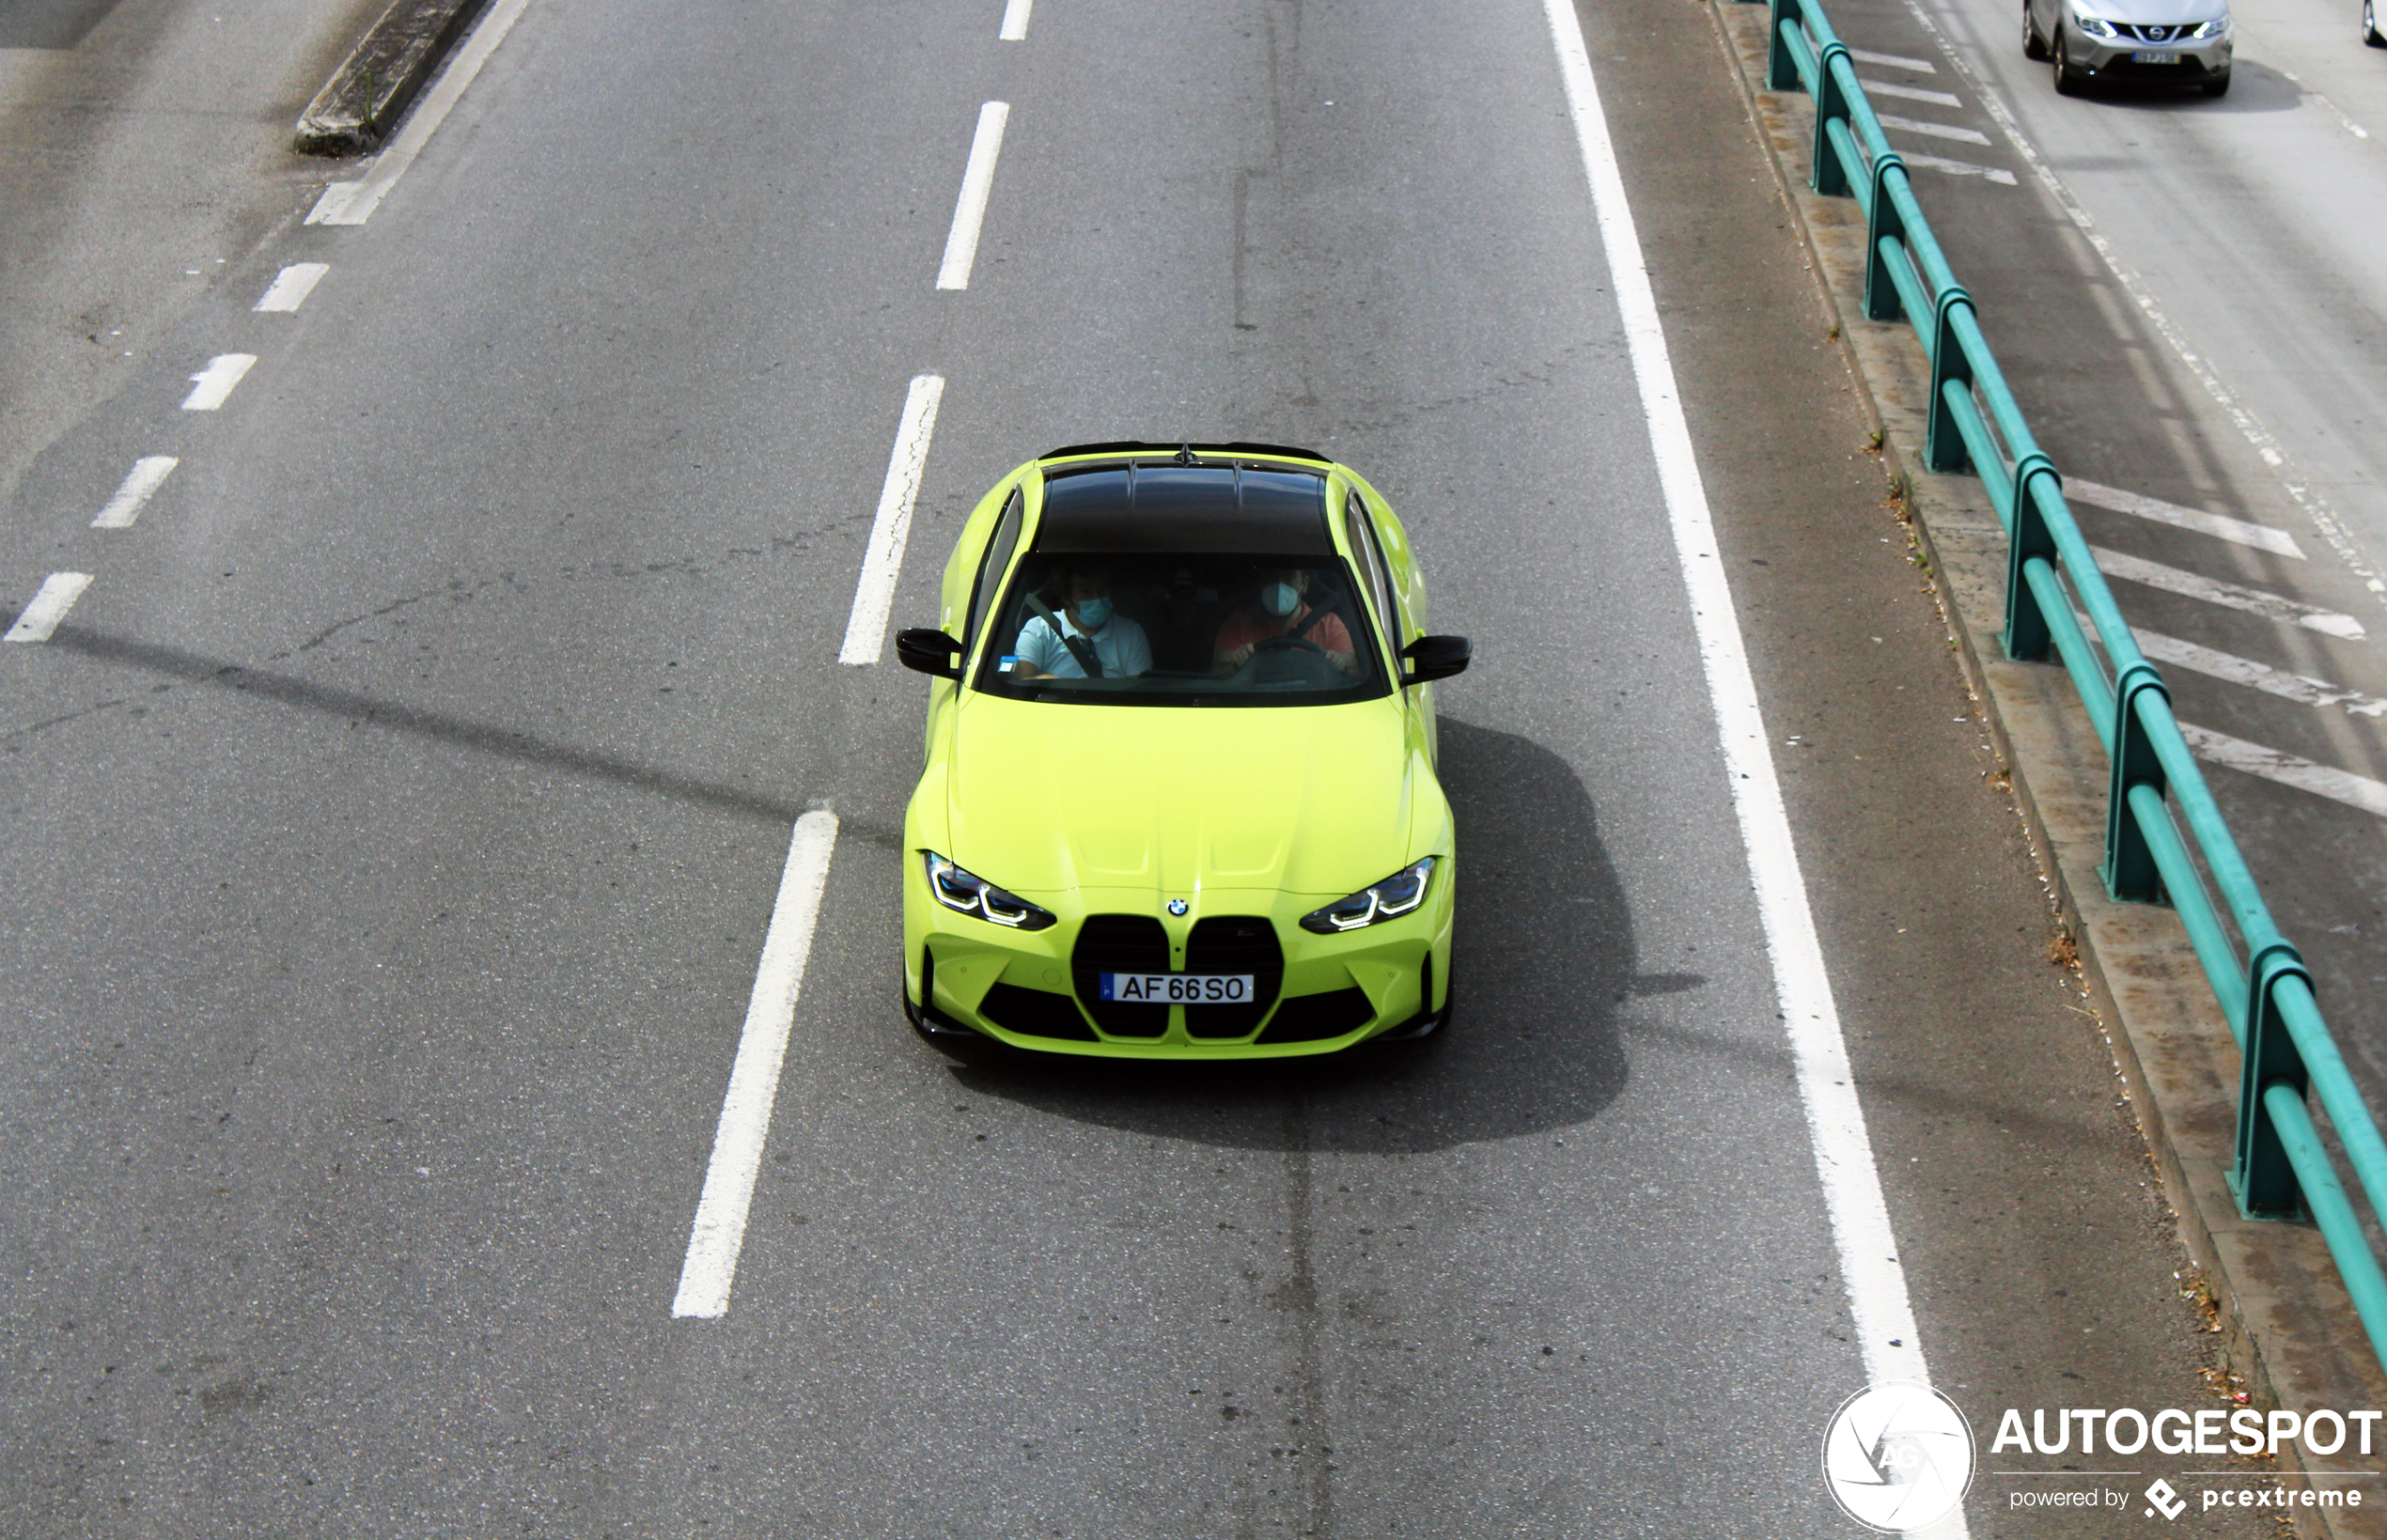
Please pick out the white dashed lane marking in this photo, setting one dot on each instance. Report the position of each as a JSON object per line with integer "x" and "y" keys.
{"x": 1015, "y": 21}
{"x": 720, "y": 1229}
{"x": 56, "y": 595}
{"x": 148, "y": 475}
{"x": 883, "y": 560}
{"x": 969, "y": 209}
{"x": 293, "y": 284}
{"x": 211, "y": 385}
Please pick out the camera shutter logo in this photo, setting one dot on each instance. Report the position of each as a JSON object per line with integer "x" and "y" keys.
{"x": 1898, "y": 1456}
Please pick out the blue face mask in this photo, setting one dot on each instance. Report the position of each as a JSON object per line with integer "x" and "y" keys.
{"x": 1091, "y": 613}
{"x": 1279, "y": 599}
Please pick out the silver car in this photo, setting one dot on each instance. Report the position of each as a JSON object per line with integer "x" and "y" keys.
{"x": 2182, "y": 42}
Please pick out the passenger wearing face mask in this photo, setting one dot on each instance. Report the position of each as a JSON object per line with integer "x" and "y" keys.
{"x": 1284, "y": 609}
{"x": 1087, "y": 639}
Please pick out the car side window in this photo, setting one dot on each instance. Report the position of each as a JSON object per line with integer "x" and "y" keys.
{"x": 1360, "y": 530}
{"x": 992, "y": 568}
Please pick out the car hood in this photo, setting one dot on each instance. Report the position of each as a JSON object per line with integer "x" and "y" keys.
{"x": 2153, "y": 12}
{"x": 1044, "y": 799}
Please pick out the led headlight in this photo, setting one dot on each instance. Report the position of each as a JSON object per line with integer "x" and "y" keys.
{"x": 2093, "y": 26}
{"x": 1397, "y": 894}
{"x": 960, "y": 891}
{"x": 2214, "y": 29}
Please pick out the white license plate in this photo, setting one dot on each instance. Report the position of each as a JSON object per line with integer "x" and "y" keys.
{"x": 1178, "y": 989}
{"x": 2147, "y": 55}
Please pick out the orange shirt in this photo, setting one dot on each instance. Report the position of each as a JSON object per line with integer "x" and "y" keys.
{"x": 1248, "y": 628}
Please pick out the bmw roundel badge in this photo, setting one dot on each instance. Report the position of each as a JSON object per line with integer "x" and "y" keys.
{"x": 1178, "y": 906}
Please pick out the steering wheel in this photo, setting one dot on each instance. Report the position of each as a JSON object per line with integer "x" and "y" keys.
{"x": 1249, "y": 673}
{"x": 1280, "y": 644}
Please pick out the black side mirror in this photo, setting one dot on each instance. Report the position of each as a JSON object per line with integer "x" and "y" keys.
{"x": 929, "y": 651}
{"x": 1431, "y": 657}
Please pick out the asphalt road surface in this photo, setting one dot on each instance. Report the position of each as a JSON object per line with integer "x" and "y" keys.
{"x": 395, "y": 820}
{"x": 2188, "y": 296}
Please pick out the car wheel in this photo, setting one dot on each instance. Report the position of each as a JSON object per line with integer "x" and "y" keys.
{"x": 2218, "y": 85}
{"x": 2065, "y": 82}
{"x": 2035, "y": 46}
{"x": 2370, "y": 26}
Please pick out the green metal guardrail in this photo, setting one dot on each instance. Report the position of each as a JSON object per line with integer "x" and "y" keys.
{"x": 2282, "y": 1171}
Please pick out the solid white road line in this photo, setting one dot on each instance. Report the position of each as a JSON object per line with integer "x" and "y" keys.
{"x": 1894, "y": 61}
{"x": 1958, "y": 168}
{"x": 2321, "y": 780}
{"x": 2316, "y": 506}
{"x": 1911, "y": 93}
{"x": 883, "y": 560}
{"x": 1015, "y": 22}
{"x": 148, "y": 475}
{"x": 2114, "y": 564}
{"x": 50, "y": 603}
{"x": 291, "y": 285}
{"x": 353, "y": 202}
{"x": 2221, "y": 526}
{"x": 969, "y": 209}
{"x": 1937, "y": 130}
{"x": 211, "y": 385}
{"x": 1852, "y": 1184}
{"x": 720, "y": 1229}
{"x": 2301, "y": 688}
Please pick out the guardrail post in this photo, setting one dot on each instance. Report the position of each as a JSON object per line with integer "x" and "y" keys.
{"x": 1882, "y": 301}
{"x": 2264, "y": 1179}
{"x": 1829, "y": 177}
{"x": 2130, "y": 873}
{"x": 1942, "y": 445}
{"x": 2026, "y": 632}
{"x": 1782, "y": 70}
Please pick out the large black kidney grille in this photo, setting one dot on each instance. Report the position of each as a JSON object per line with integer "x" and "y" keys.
{"x": 1120, "y": 943}
{"x": 1234, "y": 944}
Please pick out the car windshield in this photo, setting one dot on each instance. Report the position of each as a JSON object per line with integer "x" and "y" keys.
{"x": 1150, "y": 628}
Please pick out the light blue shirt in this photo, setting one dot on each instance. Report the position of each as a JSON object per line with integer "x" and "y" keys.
{"x": 1119, "y": 644}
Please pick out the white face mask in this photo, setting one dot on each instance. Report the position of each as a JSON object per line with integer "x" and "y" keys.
{"x": 1279, "y": 599}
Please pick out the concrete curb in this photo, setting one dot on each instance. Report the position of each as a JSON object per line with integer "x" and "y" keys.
{"x": 372, "y": 89}
{"x": 2286, "y": 1325}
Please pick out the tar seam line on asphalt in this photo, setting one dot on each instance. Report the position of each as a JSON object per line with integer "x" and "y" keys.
{"x": 2316, "y": 506}
{"x": 291, "y": 285}
{"x": 720, "y": 1229}
{"x": 2221, "y": 526}
{"x": 353, "y": 202}
{"x": 148, "y": 475}
{"x": 2287, "y": 770}
{"x": 970, "y": 208}
{"x": 883, "y": 560}
{"x": 50, "y": 603}
{"x": 1877, "y": 1288}
{"x": 1015, "y": 22}
{"x": 211, "y": 385}
{"x": 2114, "y": 564}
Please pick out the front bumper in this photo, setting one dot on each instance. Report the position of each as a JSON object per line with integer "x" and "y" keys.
{"x": 2110, "y": 58}
{"x": 1034, "y": 990}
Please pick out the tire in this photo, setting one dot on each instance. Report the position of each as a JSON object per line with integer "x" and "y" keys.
{"x": 2370, "y": 26}
{"x": 2217, "y": 87}
{"x": 2066, "y": 83}
{"x": 2035, "y": 46}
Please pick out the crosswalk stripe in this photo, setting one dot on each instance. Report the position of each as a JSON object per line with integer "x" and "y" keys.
{"x": 2114, "y": 564}
{"x": 2221, "y": 526}
{"x": 2356, "y": 791}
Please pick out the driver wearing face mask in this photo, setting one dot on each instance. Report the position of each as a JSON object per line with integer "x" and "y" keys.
{"x": 1086, "y": 639}
{"x": 1284, "y": 611}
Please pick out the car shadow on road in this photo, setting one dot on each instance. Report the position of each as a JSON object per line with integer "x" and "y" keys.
{"x": 1543, "y": 961}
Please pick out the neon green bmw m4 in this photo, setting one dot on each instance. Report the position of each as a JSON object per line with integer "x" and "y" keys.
{"x": 1180, "y": 800}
